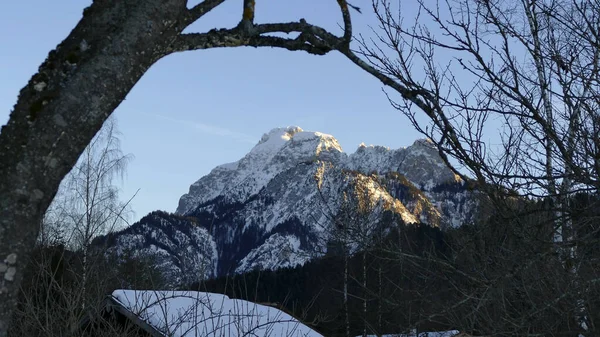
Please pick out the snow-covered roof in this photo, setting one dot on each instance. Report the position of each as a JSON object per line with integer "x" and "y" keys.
{"x": 191, "y": 313}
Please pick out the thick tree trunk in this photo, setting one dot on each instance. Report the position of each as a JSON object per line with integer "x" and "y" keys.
{"x": 77, "y": 87}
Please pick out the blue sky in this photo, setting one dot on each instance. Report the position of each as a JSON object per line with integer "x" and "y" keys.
{"x": 193, "y": 111}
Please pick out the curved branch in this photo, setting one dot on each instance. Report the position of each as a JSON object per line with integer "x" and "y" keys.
{"x": 347, "y": 21}
{"x": 312, "y": 39}
{"x": 199, "y": 10}
{"x": 422, "y": 99}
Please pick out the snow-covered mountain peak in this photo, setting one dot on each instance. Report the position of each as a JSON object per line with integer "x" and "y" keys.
{"x": 364, "y": 147}
{"x": 277, "y": 151}
{"x": 420, "y": 162}
{"x": 426, "y": 148}
{"x": 277, "y": 206}
{"x": 283, "y": 148}
{"x": 424, "y": 142}
{"x": 276, "y": 138}
{"x": 371, "y": 151}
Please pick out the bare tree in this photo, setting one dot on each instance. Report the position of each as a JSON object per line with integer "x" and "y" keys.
{"x": 52, "y": 293}
{"x": 84, "y": 79}
{"x": 354, "y": 227}
{"x": 91, "y": 205}
{"x": 510, "y": 94}
{"x": 68, "y": 276}
{"x": 359, "y": 219}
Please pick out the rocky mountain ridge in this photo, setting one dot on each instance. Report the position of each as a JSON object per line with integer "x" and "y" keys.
{"x": 278, "y": 205}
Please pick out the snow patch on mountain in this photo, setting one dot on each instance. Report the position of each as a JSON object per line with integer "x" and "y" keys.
{"x": 278, "y": 251}
{"x": 183, "y": 251}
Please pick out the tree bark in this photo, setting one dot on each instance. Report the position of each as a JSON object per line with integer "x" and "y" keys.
{"x": 78, "y": 86}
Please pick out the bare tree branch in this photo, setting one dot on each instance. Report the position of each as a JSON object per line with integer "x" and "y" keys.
{"x": 312, "y": 39}
{"x": 200, "y": 9}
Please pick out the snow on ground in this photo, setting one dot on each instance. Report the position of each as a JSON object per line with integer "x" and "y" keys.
{"x": 191, "y": 313}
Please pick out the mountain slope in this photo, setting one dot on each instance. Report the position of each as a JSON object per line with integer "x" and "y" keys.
{"x": 183, "y": 250}
{"x": 277, "y": 205}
